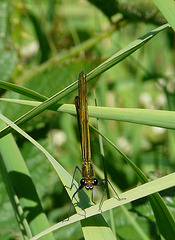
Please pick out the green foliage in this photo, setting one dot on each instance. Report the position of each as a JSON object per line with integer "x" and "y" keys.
{"x": 168, "y": 9}
{"x": 43, "y": 47}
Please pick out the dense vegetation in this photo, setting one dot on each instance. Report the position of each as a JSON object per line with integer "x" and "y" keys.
{"x": 44, "y": 45}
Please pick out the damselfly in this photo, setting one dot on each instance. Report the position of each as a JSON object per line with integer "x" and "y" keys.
{"x": 88, "y": 177}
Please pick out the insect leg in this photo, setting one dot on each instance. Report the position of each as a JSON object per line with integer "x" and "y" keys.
{"x": 72, "y": 183}
{"x": 80, "y": 187}
{"x": 92, "y": 196}
{"x": 117, "y": 196}
{"x": 101, "y": 202}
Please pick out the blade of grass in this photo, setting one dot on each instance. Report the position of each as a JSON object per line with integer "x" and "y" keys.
{"x": 21, "y": 189}
{"x": 18, "y": 211}
{"x": 22, "y": 90}
{"x": 110, "y": 62}
{"x": 38, "y": 109}
{"x": 131, "y": 195}
{"x": 168, "y": 10}
{"x": 102, "y": 156}
{"x": 157, "y": 203}
{"x": 157, "y": 118}
{"x": 125, "y": 52}
{"x": 99, "y": 226}
{"x": 164, "y": 218}
{"x": 125, "y": 210}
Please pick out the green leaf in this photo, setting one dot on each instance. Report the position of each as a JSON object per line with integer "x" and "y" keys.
{"x": 131, "y": 195}
{"x": 168, "y": 10}
{"x": 97, "y": 71}
{"x": 157, "y": 118}
{"x": 20, "y": 188}
{"x": 100, "y": 225}
{"x": 22, "y": 90}
{"x": 136, "y": 193}
{"x": 164, "y": 218}
{"x": 7, "y": 220}
{"x": 125, "y": 52}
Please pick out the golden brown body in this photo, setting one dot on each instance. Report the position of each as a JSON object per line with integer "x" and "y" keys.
{"x": 81, "y": 104}
{"x": 88, "y": 179}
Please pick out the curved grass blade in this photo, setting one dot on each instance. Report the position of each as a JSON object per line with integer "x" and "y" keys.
{"x": 99, "y": 226}
{"x": 38, "y": 109}
{"x": 125, "y": 52}
{"x": 21, "y": 190}
{"x": 136, "y": 193}
{"x": 135, "y": 225}
{"x": 22, "y": 90}
{"x": 157, "y": 118}
{"x": 110, "y": 62}
{"x": 164, "y": 218}
{"x": 131, "y": 195}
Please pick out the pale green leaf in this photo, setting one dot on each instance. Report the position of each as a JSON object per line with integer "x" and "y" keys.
{"x": 168, "y": 10}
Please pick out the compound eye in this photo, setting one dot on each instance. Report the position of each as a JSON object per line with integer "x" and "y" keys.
{"x": 82, "y": 182}
{"x": 95, "y": 181}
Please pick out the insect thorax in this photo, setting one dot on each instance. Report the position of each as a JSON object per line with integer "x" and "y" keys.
{"x": 87, "y": 169}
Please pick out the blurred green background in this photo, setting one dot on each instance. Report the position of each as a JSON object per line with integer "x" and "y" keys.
{"x": 33, "y": 34}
